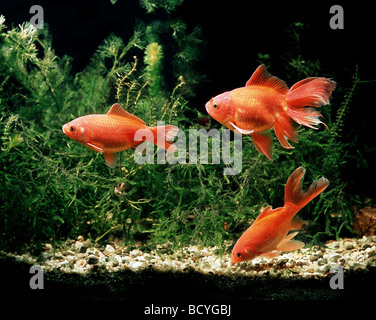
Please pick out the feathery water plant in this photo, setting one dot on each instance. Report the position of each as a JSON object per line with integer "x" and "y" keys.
{"x": 153, "y": 61}
{"x": 168, "y": 5}
{"x": 344, "y": 106}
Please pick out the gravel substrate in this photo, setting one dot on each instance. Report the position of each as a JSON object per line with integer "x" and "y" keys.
{"x": 83, "y": 257}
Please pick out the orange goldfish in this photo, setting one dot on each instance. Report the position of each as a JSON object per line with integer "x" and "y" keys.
{"x": 115, "y": 131}
{"x": 269, "y": 232}
{"x": 266, "y": 102}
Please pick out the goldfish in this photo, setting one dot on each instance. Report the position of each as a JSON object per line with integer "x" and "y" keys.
{"x": 115, "y": 131}
{"x": 269, "y": 233}
{"x": 266, "y": 102}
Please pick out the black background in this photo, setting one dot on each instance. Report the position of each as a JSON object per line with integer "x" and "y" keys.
{"x": 234, "y": 32}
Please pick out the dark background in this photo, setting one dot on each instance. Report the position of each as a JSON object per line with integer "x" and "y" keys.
{"x": 234, "y": 32}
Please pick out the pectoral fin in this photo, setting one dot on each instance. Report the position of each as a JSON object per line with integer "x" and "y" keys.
{"x": 94, "y": 147}
{"x": 242, "y": 131}
{"x": 111, "y": 159}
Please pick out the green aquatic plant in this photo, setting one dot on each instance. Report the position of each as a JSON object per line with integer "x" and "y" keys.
{"x": 168, "y": 5}
{"x": 344, "y": 106}
{"x": 53, "y": 188}
{"x": 153, "y": 61}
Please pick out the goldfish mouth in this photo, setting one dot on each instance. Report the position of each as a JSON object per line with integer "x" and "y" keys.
{"x": 207, "y": 107}
{"x": 65, "y": 128}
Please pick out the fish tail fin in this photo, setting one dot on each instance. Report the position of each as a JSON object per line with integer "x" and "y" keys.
{"x": 163, "y": 136}
{"x": 295, "y": 197}
{"x": 313, "y": 92}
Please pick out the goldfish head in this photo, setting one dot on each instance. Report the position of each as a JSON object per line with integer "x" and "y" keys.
{"x": 243, "y": 253}
{"x": 75, "y": 130}
{"x": 220, "y": 108}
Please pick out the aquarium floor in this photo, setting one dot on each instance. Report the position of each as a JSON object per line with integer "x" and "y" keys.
{"x": 82, "y": 271}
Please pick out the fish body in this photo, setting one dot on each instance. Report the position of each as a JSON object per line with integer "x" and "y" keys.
{"x": 115, "y": 131}
{"x": 269, "y": 233}
{"x": 266, "y": 102}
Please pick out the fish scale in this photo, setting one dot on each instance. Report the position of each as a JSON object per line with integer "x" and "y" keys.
{"x": 113, "y": 132}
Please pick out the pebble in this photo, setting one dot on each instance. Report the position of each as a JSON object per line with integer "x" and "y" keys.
{"x": 80, "y": 256}
{"x": 322, "y": 262}
{"x": 136, "y": 265}
{"x": 80, "y": 247}
{"x": 282, "y": 262}
{"x": 81, "y": 263}
{"x": 92, "y": 260}
{"x": 314, "y": 257}
{"x": 334, "y": 258}
{"x": 110, "y": 248}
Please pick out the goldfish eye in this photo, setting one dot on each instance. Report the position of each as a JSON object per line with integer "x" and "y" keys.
{"x": 239, "y": 255}
{"x": 215, "y": 105}
{"x": 72, "y": 128}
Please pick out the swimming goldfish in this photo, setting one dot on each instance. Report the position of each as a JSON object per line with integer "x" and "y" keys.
{"x": 115, "y": 131}
{"x": 266, "y": 102}
{"x": 268, "y": 234}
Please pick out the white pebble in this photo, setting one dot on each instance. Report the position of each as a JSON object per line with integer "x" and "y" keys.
{"x": 135, "y": 265}
{"x": 109, "y": 249}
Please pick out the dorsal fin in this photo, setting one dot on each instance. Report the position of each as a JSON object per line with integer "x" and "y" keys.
{"x": 117, "y": 110}
{"x": 261, "y": 77}
{"x": 268, "y": 210}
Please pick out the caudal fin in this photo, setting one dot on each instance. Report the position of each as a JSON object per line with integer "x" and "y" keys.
{"x": 294, "y": 195}
{"x": 313, "y": 92}
{"x": 163, "y": 136}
